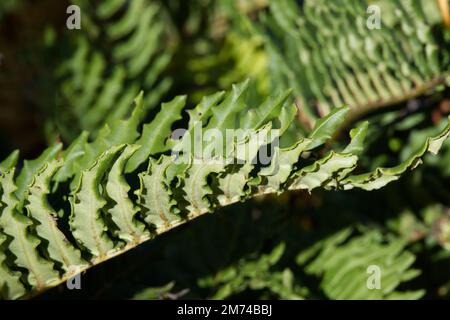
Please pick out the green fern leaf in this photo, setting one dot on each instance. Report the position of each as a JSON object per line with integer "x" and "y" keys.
{"x": 155, "y": 136}
{"x": 159, "y": 209}
{"x": 87, "y": 224}
{"x": 382, "y": 176}
{"x": 10, "y": 285}
{"x": 105, "y": 221}
{"x": 364, "y": 68}
{"x": 124, "y": 212}
{"x": 343, "y": 266}
{"x": 59, "y": 248}
{"x": 23, "y": 244}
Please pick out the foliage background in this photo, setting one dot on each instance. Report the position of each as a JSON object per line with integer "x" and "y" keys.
{"x": 251, "y": 250}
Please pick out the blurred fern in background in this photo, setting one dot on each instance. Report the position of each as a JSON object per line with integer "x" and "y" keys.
{"x": 112, "y": 61}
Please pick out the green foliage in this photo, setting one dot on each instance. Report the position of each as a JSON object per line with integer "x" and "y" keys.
{"x": 351, "y": 280}
{"x": 112, "y": 61}
{"x": 326, "y": 263}
{"x": 155, "y": 293}
{"x": 124, "y": 179}
{"x": 7, "y": 6}
{"x": 104, "y": 221}
{"x": 363, "y": 68}
{"x": 255, "y": 274}
{"x": 241, "y": 56}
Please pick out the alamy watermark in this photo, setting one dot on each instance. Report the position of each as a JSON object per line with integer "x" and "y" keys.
{"x": 374, "y": 280}
{"x": 239, "y": 146}
{"x": 374, "y": 19}
{"x": 74, "y": 283}
{"x": 73, "y": 22}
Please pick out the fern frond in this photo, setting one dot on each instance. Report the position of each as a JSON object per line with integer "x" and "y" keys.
{"x": 105, "y": 221}
{"x": 110, "y": 65}
{"x": 59, "y": 248}
{"x": 363, "y": 68}
{"x": 343, "y": 263}
{"x": 382, "y": 176}
{"x": 255, "y": 274}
